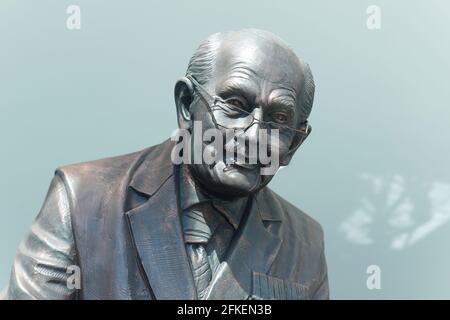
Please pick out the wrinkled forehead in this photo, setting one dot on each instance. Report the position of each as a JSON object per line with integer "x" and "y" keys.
{"x": 259, "y": 59}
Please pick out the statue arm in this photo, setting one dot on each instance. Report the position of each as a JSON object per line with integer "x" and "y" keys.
{"x": 40, "y": 267}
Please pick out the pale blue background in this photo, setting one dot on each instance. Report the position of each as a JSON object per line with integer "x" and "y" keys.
{"x": 375, "y": 171}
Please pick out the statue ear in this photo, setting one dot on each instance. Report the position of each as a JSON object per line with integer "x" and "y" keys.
{"x": 299, "y": 138}
{"x": 184, "y": 95}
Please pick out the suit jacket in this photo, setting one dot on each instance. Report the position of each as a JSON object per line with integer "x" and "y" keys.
{"x": 118, "y": 220}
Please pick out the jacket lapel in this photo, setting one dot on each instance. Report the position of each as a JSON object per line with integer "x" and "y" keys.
{"x": 254, "y": 250}
{"x": 156, "y": 229}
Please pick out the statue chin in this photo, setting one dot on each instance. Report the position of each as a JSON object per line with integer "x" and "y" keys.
{"x": 229, "y": 181}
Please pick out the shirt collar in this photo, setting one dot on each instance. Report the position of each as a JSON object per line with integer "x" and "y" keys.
{"x": 191, "y": 194}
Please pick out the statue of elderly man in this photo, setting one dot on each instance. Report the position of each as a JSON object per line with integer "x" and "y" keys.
{"x": 140, "y": 226}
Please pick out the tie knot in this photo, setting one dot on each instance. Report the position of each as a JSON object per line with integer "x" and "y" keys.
{"x": 195, "y": 227}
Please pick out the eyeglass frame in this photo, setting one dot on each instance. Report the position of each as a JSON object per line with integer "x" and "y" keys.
{"x": 304, "y": 132}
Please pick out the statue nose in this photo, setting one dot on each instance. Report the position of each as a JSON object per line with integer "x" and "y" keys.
{"x": 252, "y": 137}
{"x": 247, "y": 140}
{"x": 252, "y": 131}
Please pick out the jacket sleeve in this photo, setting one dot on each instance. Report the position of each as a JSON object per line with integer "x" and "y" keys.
{"x": 46, "y": 257}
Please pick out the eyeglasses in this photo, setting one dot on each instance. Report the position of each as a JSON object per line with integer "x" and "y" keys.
{"x": 220, "y": 109}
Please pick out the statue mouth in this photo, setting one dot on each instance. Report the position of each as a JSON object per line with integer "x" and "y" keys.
{"x": 232, "y": 164}
{"x": 229, "y": 167}
{"x": 245, "y": 165}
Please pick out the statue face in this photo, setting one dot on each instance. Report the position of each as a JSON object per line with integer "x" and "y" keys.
{"x": 261, "y": 75}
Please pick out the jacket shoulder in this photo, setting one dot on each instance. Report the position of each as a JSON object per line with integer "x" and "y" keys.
{"x": 98, "y": 166}
{"x": 100, "y": 169}
{"x": 98, "y": 175}
{"x": 300, "y": 223}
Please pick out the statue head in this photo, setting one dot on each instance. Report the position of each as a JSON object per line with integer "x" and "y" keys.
{"x": 248, "y": 80}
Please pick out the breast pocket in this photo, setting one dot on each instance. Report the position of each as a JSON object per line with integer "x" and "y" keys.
{"x": 265, "y": 287}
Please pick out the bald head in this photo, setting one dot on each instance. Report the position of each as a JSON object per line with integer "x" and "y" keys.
{"x": 261, "y": 58}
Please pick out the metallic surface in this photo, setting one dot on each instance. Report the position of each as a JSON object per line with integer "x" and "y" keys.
{"x": 120, "y": 219}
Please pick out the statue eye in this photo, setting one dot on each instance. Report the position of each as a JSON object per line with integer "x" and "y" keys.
{"x": 238, "y": 103}
{"x": 279, "y": 117}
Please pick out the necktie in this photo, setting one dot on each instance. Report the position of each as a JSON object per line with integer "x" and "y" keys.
{"x": 207, "y": 235}
{"x": 200, "y": 267}
{"x": 197, "y": 234}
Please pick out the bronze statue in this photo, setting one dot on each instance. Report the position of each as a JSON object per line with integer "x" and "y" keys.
{"x": 140, "y": 226}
